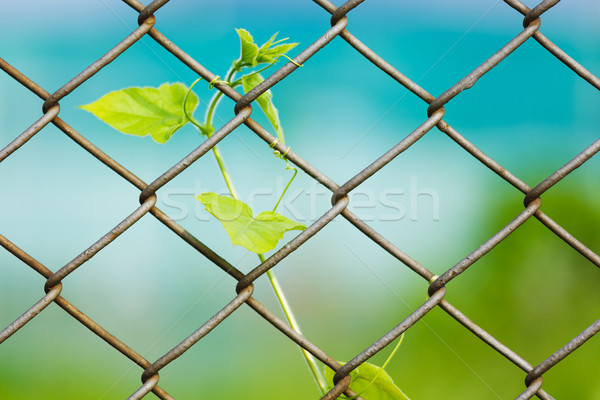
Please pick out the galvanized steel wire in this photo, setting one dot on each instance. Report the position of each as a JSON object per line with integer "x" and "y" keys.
{"x": 438, "y": 286}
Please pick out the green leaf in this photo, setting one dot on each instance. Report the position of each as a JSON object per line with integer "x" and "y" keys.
{"x": 249, "y": 50}
{"x": 258, "y": 234}
{"x": 145, "y": 111}
{"x": 251, "y": 55}
{"x": 265, "y": 101}
{"x": 271, "y": 55}
{"x": 382, "y": 388}
{"x": 270, "y": 42}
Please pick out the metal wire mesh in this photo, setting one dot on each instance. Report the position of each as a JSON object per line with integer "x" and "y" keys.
{"x": 438, "y": 285}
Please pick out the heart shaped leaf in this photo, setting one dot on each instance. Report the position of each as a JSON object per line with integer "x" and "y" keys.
{"x": 258, "y": 234}
{"x": 145, "y": 111}
{"x": 372, "y": 383}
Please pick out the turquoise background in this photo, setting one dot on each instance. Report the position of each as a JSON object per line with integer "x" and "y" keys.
{"x": 339, "y": 112}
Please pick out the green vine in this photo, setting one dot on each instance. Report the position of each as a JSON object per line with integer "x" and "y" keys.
{"x": 160, "y": 112}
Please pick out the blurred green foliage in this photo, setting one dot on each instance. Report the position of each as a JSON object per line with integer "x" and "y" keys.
{"x": 533, "y": 292}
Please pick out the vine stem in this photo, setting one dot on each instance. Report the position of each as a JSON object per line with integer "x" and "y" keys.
{"x": 224, "y": 172}
{"x": 208, "y": 130}
{"x": 289, "y": 315}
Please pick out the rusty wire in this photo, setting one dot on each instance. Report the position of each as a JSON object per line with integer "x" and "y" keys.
{"x": 438, "y": 286}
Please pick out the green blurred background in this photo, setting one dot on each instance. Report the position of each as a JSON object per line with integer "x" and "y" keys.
{"x": 151, "y": 290}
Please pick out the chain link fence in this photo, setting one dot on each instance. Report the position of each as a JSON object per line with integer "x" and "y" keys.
{"x": 438, "y": 285}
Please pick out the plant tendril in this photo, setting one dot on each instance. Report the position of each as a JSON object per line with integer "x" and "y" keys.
{"x": 217, "y": 79}
{"x": 287, "y": 166}
{"x": 292, "y": 61}
{"x": 185, "y": 112}
{"x": 283, "y": 157}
